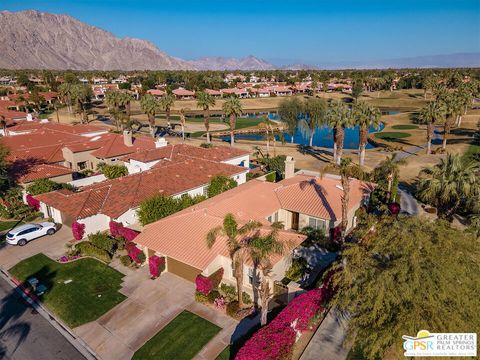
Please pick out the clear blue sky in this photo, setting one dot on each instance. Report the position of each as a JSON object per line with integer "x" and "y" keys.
{"x": 284, "y": 30}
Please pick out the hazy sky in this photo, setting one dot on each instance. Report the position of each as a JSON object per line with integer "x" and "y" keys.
{"x": 284, "y": 31}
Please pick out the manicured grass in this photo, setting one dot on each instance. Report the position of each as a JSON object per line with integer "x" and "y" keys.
{"x": 404, "y": 127}
{"x": 182, "y": 338}
{"x": 91, "y": 293}
{"x": 473, "y": 149}
{"x": 391, "y": 135}
{"x": 224, "y": 355}
{"x": 7, "y": 225}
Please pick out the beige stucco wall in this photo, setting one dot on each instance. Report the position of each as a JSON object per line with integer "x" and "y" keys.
{"x": 95, "y": 223}
{"x": 74, "y": 158}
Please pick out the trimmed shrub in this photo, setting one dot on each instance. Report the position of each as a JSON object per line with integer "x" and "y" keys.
{"x": 246, "y": 298}
{"x": 160, "y": 206}
{"x": 220, "y": 184}
{"x": 203, "y": 284}
{"x": 232, "y": 308}
{"x": 114, "y": 171}
{"x": 212, "y": 296}
{"x": 78, "y": 230}
{"x": 134, "y": 253}
{"x": 141, "y": 257}
{"x": 125, "y": 260}
{"x": 297, "y": 269}
{"x": 229, "y": 292}
{"x": 201, "y": 298}
{"x": 271, "y": 177}
{"x": 86, "y": 248}
{"x": 42, "y": 186}
{"x": 120, "y": 242}
{"x": 103, "y": 241}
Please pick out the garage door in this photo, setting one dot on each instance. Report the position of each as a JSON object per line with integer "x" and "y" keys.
{"x": 181, "y": 269}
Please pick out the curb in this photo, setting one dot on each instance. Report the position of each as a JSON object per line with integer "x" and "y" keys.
{"x": 66, "y": 332}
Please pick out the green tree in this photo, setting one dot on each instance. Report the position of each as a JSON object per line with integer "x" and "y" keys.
{"x": 160, "y": 206}
{"x": 315, "y": 111}
{"x": 65, "y": 93}
{"x": 232, "y": 108}
{"x": 112, "y": 100}
{"x": 166, "y": 103}
{"x": 42, "y": 186}
{"x": 430, "y": 114}
{"x": 407, "y": 275}
{"x": 81, "y": 94}
{"x": 357, "y": 89}
{"x": 289, "y": 110}
{"x": 4, "y": 180}
{"x": 205, "y": 101}
{"x": 386, "y": 176}
{"x": 365, "y": 116}
{"x": 220, "y": 184}
{"x": 338, "y": 117}
{"x": 114, "y": 171}
{"x": 449, "y": 184}
{"x": 150, "y": 105}
{"x": 236, "y": 240}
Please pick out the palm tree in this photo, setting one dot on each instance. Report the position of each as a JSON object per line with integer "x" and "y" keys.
{"x": 338, "y": 117}
{"x": 347, "y": 169}
{"x": 112, "y": 100}
{"x": 365, "y": 116}
{"x": 453, "y": 108}
{"x": 449, "y": 183}
{"x": 237, "y": 240}
{"x": 260, "y": 249}
{"x": 125, "y": 100}
{"x": 149, "y": 105}
{"x": 182, "y": 121}
{"x": 166, "y": 103}
{"x": 3, "y": 124}
{"x": 430, "y": 114}
{"x": 205, "y": 101}
{"x": 81, "y": 94}
{"x": 388, "y": 170}
{"x": 267, "y": 124}
{"x": 315, "y": 110}
{"x": 232, "y": 107}
{"x": 65, "y": 92}
{"x": 56, "y": 106}
{"x": 289, "y": 111}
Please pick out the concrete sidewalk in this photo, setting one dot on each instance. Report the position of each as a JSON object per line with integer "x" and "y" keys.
{"x": 328, "y": 341}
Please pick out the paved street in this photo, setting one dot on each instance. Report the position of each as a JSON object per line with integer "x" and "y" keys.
{"x": 25, "y": 335}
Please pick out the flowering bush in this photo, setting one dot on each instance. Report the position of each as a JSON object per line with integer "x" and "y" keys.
{"x": 117, "y": 229}
{"x": 203, "y": 284}
{"x": 67, "y": 258}
{"x": 220, "y": 303}
{"x": 32, "y": 202}
{"x": 216, "y": 278}
{"x": 276, "y": 340}
{"x": 156, "y": 265}
{"x": 134, "y": 252}
{"x": 394, "y": 208}
{"x": 78, "y": 230}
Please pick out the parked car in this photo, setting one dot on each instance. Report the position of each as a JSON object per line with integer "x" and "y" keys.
{"x": 25, "y": 233}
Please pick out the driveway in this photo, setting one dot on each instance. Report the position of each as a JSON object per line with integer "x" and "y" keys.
{"x": 53, "y": 246}
{"x": 25, "y": 334}
{"x": 151, "y": 305}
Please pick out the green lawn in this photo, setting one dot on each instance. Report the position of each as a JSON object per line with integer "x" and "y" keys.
{"x": 91, "y": 293}
{"x": 225, "y": 354}
{"x": 182, "y": 338}
{"x": 404, "y": 127}
{"x": 472, "y": 150}
{"x": 391, "y": 135}
{"x": 7, "y": 225}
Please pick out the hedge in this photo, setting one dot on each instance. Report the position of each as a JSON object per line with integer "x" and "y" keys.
{"x": 103, "y": 241}
{"x": 86, "y": 248}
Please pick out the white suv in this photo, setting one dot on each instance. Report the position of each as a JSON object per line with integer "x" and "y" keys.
{"x": 24, "y": 233}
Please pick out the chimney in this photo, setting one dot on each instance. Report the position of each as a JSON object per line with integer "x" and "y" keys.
{"x": 289, "y": 167}
{"x": 127, "y": 138}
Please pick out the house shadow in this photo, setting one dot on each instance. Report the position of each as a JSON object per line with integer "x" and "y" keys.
{"x": 22, "y": 167}
{"x": 13, "y": 329}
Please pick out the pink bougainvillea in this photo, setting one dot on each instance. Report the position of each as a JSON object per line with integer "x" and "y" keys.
{"x": 117, "y": 229}
{"x": 203, "y": 284}
{"x": 216, "y": 278}
{"x": 78, "y": 230}
{"x": 156, "y": 265}
{"x": 394, "y": 208}
{"x": 133, "y": 252}
{"x": 32, "y": 202}
{"x": 220, "y": 303}
{"x": 276, "y": 340}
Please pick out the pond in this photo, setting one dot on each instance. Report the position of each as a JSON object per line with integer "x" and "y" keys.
{"x": 323, "y": 137}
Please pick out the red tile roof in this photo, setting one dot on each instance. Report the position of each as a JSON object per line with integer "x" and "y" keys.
{"x": 129, "y": 191}
{"x": 40, "y": 171}
{"x": 114, "y": 146}
{"x": 156, "y": 92}
{"x": 183, "y": 92}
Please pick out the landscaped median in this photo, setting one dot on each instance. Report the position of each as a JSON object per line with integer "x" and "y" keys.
{"x": 182, "y": 338}
{"x": 77, "y": 292}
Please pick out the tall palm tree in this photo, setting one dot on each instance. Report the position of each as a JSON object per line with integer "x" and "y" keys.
{"x": 125, "y": 100}
{"x": 149, "y": 105}
{"x": 365, "y": 116}
{"x": 289, "y": 111}
{"x": 182, "y": 121}
{"x": 237, "y": 240}
{"x": 232, "y": 107}
{"x": 65, "y": 92}
{"x": 166, "y": 103}
{"x": 267, "y": 124}
{"x": 430, "y": 114}
{"x": 449, "y": 183}
{"x": 315, "y": 110}
{"x": 81, "y": 95}
{"x": 465, "y": 98}
{"x": 112, "y": 100}
{"x": 453, "y": 109}
{"x": 338, "y": 117}
{"x": 56, "y": 106}
{"x": 347, "y": 169}
{"x": 205, "y": 101}
{"x": 260, "y": 249}
{"x": 388, "y": 170}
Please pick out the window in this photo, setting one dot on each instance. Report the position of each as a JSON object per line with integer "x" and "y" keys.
{"x": 233, "y": 269}
{"x": 273, "y": 218}
{"x": 250, "y": 276}
{"x": 82, "y": 165}
{"x": 315, "y": 223}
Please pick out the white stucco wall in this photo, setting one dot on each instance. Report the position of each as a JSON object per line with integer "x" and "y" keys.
{"x": 128, "y": 218}
{"x": 238, "y": 160}
{"x": 135, "y": 166}
{"x": 56, "y": 214}
{"x": 88, "y": 180}
{"x": 94, "y": 133}
{"x": 95, "y": 223}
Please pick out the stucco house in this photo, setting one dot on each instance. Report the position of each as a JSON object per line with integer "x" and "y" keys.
{"x": 298, "y": 201}
{"x": 118, "y": 199}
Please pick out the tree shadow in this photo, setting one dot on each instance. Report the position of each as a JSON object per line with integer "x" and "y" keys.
{"x": 22, "y": 167}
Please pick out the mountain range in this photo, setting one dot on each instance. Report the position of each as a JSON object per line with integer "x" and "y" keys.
{"x": 39, "y": 40}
